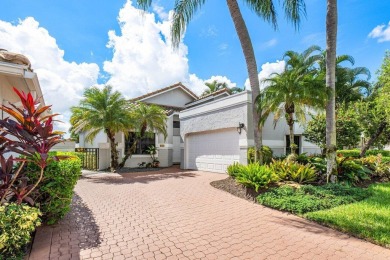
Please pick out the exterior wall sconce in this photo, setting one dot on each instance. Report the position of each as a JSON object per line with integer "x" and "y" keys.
{"x": 240, "y": 127}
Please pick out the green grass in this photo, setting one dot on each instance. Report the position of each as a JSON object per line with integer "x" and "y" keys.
{"x": 368, "y": 219}
{"x": 310, "y": 198}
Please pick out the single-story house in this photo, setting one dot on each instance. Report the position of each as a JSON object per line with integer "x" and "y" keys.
{"x": 204, "y": 133}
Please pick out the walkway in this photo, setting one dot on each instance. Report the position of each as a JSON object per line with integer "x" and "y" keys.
{"x": 171, "y": 214}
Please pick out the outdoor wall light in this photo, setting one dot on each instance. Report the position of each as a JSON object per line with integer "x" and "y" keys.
{"x": 240, "y": 126}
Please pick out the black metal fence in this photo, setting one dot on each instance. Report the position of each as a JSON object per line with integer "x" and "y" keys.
{"x": 90, "y": 159}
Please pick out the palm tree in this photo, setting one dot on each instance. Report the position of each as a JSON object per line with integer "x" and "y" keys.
{"x": 184, "y": 11}
{"x": 291, "y": 92}
{"x": 214, "y": 86}
{"x": 331, "y": 46}
{"x": 149, "y": 118}
{"x": 102, "y": 110}
{"x": 349, "y": 85}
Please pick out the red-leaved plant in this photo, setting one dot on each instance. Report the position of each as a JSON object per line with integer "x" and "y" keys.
{"x": 28, "y": 131}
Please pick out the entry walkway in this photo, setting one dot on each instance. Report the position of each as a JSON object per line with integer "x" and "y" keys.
{"x": 173, "y": 214}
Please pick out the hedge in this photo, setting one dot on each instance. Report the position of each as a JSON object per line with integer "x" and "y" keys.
{"x": 54, "y": 194}
{"x": 356, "y": 153}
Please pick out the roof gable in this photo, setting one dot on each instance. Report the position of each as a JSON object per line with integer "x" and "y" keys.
{"x": 178, "y": 86}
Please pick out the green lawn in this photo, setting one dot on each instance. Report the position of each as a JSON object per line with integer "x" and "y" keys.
{"x": 368, "y": 219}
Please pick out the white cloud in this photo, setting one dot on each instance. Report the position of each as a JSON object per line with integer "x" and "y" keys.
{"x": 62, "y": 82}
{"x": 222, "y": 79}
{"x": 266, "y": 71}
{"x": 209, "y": 32}
{"x": 143, "y": 56}
{"x": 269, "y": 44}
{"x": 381, "y": 32}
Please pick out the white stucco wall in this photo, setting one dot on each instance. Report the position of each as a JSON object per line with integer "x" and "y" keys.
{"x": 175, "y": 97}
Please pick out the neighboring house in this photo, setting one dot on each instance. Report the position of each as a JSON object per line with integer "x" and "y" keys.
{"x": 16, "y": 72}
{"x": 207, "y": 133}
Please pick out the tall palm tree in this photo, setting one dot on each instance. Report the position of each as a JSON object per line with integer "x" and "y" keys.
{"x": 214, "y": 86}
{"x": 149, "y": 119}
{"x": 293, "y": 91}
{"x": 184, "y": 11}
{"x": 102, "y": 110}
{"x": 331, "y": 46}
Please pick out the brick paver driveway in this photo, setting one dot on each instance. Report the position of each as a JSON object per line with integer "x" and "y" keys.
{"x": 171, "y": 214}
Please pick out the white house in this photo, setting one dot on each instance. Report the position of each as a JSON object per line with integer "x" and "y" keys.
{"x": 16, "y": 72}
{"x": 204, "y": 133}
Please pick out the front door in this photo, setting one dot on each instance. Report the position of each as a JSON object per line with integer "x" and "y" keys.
{"x": 176, "y": 149}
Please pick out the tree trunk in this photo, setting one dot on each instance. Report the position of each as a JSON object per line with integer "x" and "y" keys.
{"x": 114, "y": 151}
{"x": 331, "y": 45}
{"x": 373, "y": 138}
{"x": 290, "y": 123}
{"x": 250, "y": 59}
{"x": 128, "y": 154}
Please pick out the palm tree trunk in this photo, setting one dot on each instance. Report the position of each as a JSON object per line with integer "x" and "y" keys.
{"x": 250, "y": 59}
{"x": 290, "y": 122}
{"x": 331, "y": 45}
{"x": 373, "y": 138}
{"x": 114, "y": 151}
{"x": 128, "y": 154}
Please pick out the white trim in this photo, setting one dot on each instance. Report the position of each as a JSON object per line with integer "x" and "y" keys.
{"x": 170, "y": 89}
{"x": 216, "y": 105}
{"x": 202, "y": 100}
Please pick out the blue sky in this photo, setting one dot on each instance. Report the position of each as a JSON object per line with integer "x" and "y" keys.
{"x": 76, "y": 34}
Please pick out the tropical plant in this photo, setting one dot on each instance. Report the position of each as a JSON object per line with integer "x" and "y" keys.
{"x": 350, "y": 86}
{"x": 234, "y": 169}
{"x": 149, "y": 119}
{"x": 255, "y": 176}
{"x": 265, "y": 150}
{"x": 28, "y": 131}
{"x": 348, "y": 130}
{"x": 374, "y": 123}
{"x": 184, "y": 11}
{"x": 214, "y": 86}
{"x": 293, "y": 91}
{"x": 102, "y": 110}
{"x": 293, "y": 171}
{"x": 351, "y": 171}
{"x": 17, "y": 222}
{"x": 330, "y": 81}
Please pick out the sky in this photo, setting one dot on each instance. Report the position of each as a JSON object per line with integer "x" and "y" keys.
{"x": 75, "y": 44}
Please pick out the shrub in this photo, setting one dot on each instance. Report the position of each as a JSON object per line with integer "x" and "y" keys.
{"x": 308, "y": 198}
{"x": 55, "y": 192}
{"x": 267, "y": 154}
{"x": 356, "y": 153}
{"x": 376, "y": 164}
{"x": 256, "y": 176}
{"x": 352, "y": 171}
{"x": 349, "y": 153}
{"x": 17, "y": 221}
{"x": 292, "y": 171}
{"x": 234, "y": 169}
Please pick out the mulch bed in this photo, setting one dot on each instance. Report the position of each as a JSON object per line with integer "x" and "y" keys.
{"x": 236, "y": 189}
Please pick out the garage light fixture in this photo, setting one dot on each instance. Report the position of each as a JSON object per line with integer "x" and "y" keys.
{"x": 240, "y": 126}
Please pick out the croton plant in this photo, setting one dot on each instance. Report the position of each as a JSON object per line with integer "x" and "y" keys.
{"x": 27, "y": 132}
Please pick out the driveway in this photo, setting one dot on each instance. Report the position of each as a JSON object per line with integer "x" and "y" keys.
{"x": 173, "y": 214}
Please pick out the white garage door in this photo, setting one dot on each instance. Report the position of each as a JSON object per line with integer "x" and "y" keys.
{"x": 212, "y": 151}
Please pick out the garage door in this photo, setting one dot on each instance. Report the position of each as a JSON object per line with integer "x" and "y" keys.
{"x": 212, "y": 151}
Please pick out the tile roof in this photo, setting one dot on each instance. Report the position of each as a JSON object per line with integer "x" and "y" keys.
{"x": 179, "y": 84}
{"x": 215, "y": 93}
